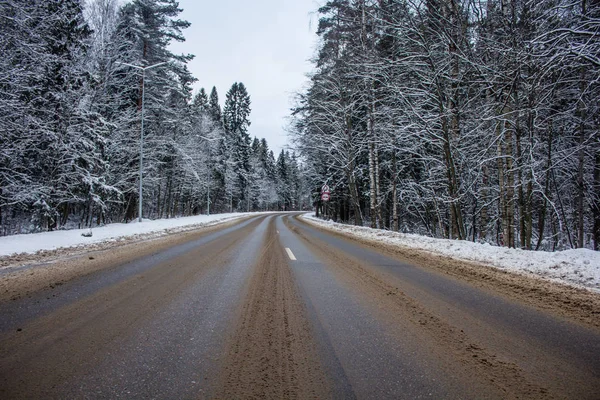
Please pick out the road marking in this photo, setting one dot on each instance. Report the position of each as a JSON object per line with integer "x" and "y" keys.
{"x": 290, "y": 254}
{"x": 277, "y": 232}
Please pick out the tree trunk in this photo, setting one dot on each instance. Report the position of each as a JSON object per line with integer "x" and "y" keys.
{"x": 542, "y": 214}
{"x": 90, "y": 212}
{"x": 358, "y": 220}
{"x": 456, "y": 228}
{"x": 528, "y": 199}
{"x": 451, "y": 133}
{"x": 596, "y": 202}
{"x": 501, "y": 185}
{"x": 378, "y": 190}
{"x": 580, "y": 168}
{"x": 510, "y": 186}
{"x": 373, "y": 188}
{"x": 169, "y": 197}
{"x": 349, "y": 170}
{"x": 521, "y": 191}
{"x": 563, "y": 215}
{"x": 394, "y": 191}
{"x": 528, "y": 211}
{"x": 484, "y": 219}
{"x": 130, "y": 210}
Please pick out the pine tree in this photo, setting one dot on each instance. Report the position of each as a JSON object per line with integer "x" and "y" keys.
{"x": 21, "y": 45}
{"x": 200, "y": 102}
{"x": 237, "y": 109}
{"x": 214, "y": 109}
{"x": 283, "y": 181}
{"x": 236, "y": 121}
{"x": 146, "y": 28}
{"x": 63, "y": 155}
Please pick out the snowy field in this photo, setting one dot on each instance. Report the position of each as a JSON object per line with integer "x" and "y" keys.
{"x": 34, "y": 242}
{"x": 580, "y": 267}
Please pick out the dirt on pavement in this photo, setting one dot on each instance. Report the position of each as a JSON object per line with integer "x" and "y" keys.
{"x": 57, "y": 348}
{"x": 567, "y": 301}
{"x": 272, "y": 353}
{"x": 504, "y": 366}
{"x": 23, "y": 274}
{"x": 271, "y": 350}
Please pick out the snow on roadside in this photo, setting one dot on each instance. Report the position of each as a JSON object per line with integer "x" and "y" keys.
{"x": 580, "y": 267}
{"x": 34, "y": 242}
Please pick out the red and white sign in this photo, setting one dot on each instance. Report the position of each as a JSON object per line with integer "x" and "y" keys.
{"x": 325, "y": 192}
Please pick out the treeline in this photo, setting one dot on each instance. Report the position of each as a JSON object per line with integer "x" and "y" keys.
{"x": 70, "y": 105}
{"x": 459, "y": 119}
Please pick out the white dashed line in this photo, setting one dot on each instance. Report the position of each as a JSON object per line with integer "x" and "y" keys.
{"x": 290, "y": 254}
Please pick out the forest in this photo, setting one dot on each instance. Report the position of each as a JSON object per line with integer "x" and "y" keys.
{"x": 461, "y": 119}
{"x": 70, "y": 122}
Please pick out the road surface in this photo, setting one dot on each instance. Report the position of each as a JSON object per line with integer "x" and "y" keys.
{"x": 273, "y": 307}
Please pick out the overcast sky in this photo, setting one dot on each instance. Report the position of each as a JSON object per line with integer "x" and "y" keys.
{"x": 265, "y": 44}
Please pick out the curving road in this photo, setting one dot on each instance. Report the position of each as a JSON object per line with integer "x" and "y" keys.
{"x": 272, "y": 307}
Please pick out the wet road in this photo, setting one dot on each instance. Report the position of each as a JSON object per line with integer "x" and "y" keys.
{"x": 273, "y": 307}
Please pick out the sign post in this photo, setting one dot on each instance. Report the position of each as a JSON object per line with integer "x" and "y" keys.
{"x": 325, "y": 196}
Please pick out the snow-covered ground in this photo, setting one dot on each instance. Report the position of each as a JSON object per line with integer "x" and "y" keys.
{"x": 580, "y": 267}
{"x": 32, "y": 243}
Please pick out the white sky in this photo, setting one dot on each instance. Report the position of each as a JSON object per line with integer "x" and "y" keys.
{"x": 266, "y": 44}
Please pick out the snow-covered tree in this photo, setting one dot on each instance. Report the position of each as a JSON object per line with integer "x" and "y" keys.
{"x": 457, "y": 119}
{"x": 236, "y": 121}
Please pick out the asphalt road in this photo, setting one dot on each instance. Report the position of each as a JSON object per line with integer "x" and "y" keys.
{"x": 273, "y": 307}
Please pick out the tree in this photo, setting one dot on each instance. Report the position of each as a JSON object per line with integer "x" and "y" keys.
{"x": 214, "y": 109}
{"x": 236, "y": 122}
{"x": 200, "y": 101}
{"x": 70, "y": 119}
{"x": 58, "y": 141}
{"x": 457, "y": 119}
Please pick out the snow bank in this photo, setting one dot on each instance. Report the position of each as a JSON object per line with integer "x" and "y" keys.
{"x": 580, "y": 267}
{"x": 34, "y": 242}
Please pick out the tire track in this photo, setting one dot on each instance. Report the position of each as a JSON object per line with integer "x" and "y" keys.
{"x": 578, "y": 304}
{"x": 450, "y": 345}
{"x": 272, "y": 353}
{"x": 50, "y": 353}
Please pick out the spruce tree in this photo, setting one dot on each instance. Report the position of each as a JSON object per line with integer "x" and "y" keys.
{"x": 236, "y": 121}
{"x": 283, "y": 184}
{"x": 214, "y": 109}
{"x": 64, "y": 154}
{"x": 237, "y": 109}
{"x": 200, "y": 102}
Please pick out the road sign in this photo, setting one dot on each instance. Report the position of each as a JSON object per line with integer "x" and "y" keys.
{"x": 325, "y": 189}
{"x": 325, "y": 197}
